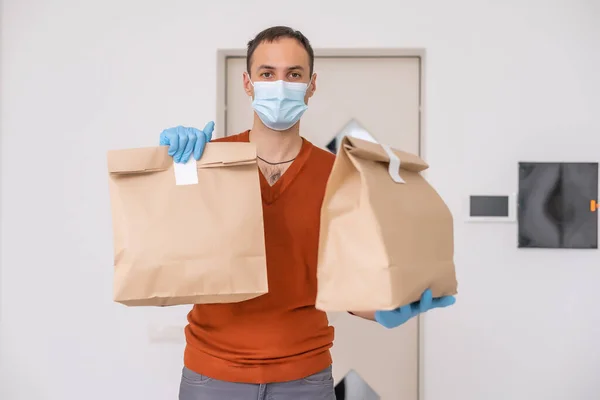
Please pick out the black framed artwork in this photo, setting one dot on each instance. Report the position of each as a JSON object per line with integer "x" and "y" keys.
{"x": 556, "y": 205}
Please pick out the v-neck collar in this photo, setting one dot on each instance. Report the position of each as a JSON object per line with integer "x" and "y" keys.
{"x": 270, "y": 194}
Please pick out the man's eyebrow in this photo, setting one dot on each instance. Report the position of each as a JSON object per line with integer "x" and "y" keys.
{"x": 266, "y": 67}
{"x": 297, "y": 67}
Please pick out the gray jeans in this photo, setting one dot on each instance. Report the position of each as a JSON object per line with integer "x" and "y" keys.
{"x": 199, "y": 387}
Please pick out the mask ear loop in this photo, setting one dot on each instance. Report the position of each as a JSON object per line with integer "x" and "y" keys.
{"x": 252, "y": 83}
{"x": 310, "y": 82}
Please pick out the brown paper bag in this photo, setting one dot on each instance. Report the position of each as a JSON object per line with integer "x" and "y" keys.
{"x": 386, "y": 235}
{"x": 185, "y": 242}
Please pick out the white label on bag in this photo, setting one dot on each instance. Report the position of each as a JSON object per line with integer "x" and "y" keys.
{"x": 186, "y": 174}
{"x": 394, "y": 166}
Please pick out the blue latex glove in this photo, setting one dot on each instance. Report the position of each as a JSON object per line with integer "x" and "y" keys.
{"x": 395, "y": 318}
{"x": 184, "y": 141}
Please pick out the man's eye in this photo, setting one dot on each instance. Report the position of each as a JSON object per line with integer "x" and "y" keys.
{"x": 295, "y": 75}
{"x": 266, "y": 75}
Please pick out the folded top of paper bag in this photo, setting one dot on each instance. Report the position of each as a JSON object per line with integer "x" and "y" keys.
{"x": 375, "y": 152}
{"x": 149, "y": 159}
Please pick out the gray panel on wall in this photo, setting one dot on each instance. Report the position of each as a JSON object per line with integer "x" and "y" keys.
{"x": 488, "y": 206}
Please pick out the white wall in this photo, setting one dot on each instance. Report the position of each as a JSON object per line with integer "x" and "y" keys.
{"x": 505, "y": 83}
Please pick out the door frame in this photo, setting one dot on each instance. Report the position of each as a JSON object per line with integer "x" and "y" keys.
{"x": 420, "y": 53}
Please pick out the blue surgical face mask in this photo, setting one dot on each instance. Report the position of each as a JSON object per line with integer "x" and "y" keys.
{"x": 279, "y": 104}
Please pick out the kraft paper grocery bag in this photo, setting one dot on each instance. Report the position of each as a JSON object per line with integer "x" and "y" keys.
{"x": 386, "y": 235}
{"x": 187, "y": 233}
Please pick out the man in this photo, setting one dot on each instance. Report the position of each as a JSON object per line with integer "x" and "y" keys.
{"x": 275, "y": 346}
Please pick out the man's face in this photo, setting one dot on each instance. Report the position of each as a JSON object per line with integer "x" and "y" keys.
{"x": 284, "y": 59}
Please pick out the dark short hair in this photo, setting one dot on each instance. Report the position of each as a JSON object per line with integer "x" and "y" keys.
{"x": 275, "y": 33}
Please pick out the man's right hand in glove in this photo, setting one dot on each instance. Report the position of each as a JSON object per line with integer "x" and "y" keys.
{"x": 183, "y": 141}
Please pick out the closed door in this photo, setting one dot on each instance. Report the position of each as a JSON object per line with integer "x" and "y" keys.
{"x": 369, "y": 97}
